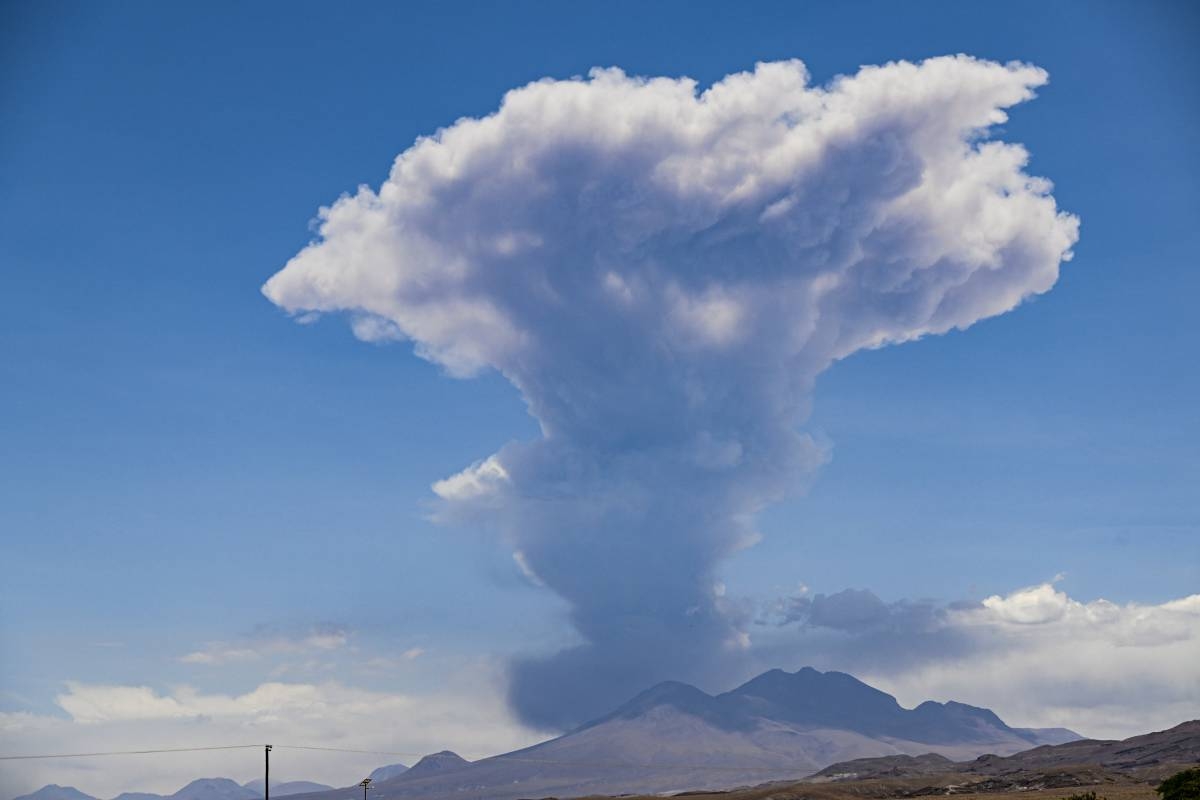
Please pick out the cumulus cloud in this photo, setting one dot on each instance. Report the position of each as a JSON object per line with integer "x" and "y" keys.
{"x": 478, "y": 480}
{"x": 663, "y": 272}
{"x": 1035, "y": 655}
{"x": 468, "y": 714}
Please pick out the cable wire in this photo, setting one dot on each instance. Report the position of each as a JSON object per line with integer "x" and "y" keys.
{"x": 133, "y": 752}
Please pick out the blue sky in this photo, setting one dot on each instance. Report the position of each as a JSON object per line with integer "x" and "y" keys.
{"x": 182, "y": 464}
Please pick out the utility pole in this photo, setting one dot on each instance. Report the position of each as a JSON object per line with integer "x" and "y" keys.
{"x": 267, "y": 773}
{"x": 365, "y": 783}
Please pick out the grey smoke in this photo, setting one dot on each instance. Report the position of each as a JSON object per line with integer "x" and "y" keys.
{"x": 860, "y": 610}
{"x": 663, "y": 273}
{"x": 856, "y": 631}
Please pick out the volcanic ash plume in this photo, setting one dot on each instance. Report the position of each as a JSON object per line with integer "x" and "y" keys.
{"x": 662, "y": 273}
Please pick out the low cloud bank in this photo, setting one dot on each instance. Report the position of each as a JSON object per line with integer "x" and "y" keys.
{"x": 1036, "y": 656}
{"x": 468, "y": 714}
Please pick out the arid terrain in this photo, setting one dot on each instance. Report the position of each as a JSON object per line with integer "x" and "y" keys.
{"x": 1115, "y": 789}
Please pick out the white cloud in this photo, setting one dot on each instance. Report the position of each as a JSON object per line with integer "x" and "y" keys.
{"x": 1041, "y": 658}
{"x": 476, "y": 481}
{"x": 468, "y": 714}
{"x": 268, "y": 643}
{"x": 104, "y": 703}
{"x": 1035, "y": 605}
{"x": 220, "y": 653}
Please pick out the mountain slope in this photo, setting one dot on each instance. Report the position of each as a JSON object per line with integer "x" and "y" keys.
{"x": 889, "y": 767}
{"x": 433, "y": 765}
{"x": 1178, "y": 746}
{"x": 215, "y": 789}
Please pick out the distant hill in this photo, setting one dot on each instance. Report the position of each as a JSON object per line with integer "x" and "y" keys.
{"x": 1161, "y": 751}
{"x": 1146, "y": 758}
{"x": 382, "y": 774}
{"x": 56, "y": 792}
{"x": 1050, "y": 735}
{"x": 435, "y": 764}
{"x": 214, "y": 789}
{"x": 888, "y": 767}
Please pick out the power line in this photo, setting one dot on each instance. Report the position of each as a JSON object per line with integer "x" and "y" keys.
{"x": 132, "y": 752}
{"x": 348, "y": 750}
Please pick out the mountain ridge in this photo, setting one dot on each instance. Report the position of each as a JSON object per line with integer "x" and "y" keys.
{"x": 438, "y": 763}
{"x": 387, "y": 772}
{"x": 828, "y": 699}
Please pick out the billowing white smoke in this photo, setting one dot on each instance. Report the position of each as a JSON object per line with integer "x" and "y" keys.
{"x": 662, "y": 274}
